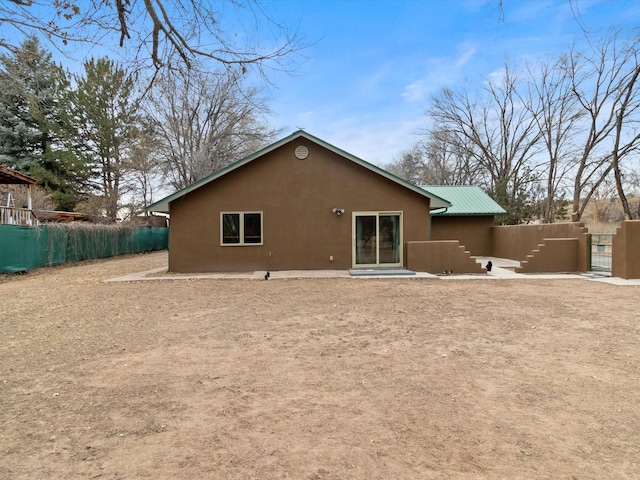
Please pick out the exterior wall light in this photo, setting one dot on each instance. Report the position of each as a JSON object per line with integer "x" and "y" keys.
{"x": 338, "y": 211}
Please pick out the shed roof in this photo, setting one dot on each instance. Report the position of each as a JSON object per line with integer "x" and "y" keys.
{"x": 163, "y": 205}
{"x": 466, "y": 200}
{"x": 11, "y": 177}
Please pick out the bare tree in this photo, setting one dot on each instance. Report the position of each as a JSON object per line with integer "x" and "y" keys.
{"x": 206, "y": 121}
{"x": 40, "y": 198}
{"x": 555, "y": 111}
{"x": 626, "y": 135}
{"x": 603, "y": 206}
{"x": 633, "y": 182}
{"x": 409, "y": 165}
{"x": 451, "y": 161}
{"x": 168, "y": 33}
{"x": 604, "y": 82}
{"x": 502, "y": 132}
{"x": 143, "y": 169}
{"x": 438, "y": 160}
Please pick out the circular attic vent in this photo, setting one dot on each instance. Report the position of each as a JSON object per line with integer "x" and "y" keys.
{"x": 302, "y": 152}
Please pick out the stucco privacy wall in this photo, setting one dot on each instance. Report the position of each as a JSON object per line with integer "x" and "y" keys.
{"x": 440, "y": 256}
{"x": 518, "y": 241}
{"x": 473, "y": 232}
{"x": 554, "y": 255}
{"x": 626, "y": 250}
{"x": 296, "y": 198}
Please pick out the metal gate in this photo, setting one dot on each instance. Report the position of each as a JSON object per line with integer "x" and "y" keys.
{"x": 600, "y": 248}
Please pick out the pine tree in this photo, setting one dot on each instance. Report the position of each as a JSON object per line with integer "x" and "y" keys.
{"x": 110, "y": 119}
{"x": 36, "y": 128}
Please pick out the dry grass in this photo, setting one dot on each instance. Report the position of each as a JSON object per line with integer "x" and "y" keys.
{"x": 315, "y": 378}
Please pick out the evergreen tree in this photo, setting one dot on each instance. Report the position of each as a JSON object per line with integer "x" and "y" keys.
{"x": 110, "y": 117}
{"x": 36, "y": 129}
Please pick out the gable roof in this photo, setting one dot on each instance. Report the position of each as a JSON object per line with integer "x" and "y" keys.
{"x": 466, "y": 200}
{"x": 163, "y": 205}
{"x": 11, "y": 177}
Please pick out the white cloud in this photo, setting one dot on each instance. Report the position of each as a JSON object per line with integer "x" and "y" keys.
{"x": 440, "y": 72}
{"x": 496, "y": 76}
{"x": 303, "y": 118}
{"x": 415, "y": 91}
{"x": 376, "y": 141}
{"x": 466, "y": 56}
{"x": 372, "y": 84}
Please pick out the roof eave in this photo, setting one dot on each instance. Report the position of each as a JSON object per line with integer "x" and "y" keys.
{"x": 462, "y": 214}
{"x": 163, "y": 204}
{"x": 11, "y": 177}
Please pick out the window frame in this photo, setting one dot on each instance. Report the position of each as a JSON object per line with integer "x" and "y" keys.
{"x": 241, "y": 233}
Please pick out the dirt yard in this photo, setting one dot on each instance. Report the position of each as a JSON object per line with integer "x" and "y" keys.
{"x": 315, "y": 378}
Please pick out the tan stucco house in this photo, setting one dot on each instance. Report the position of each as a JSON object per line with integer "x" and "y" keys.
{"x": 298, "y": 204}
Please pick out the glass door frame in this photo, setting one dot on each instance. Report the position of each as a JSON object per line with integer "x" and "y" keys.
{"x": 354, "y": 239}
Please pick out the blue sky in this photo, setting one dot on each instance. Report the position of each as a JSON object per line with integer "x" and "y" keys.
{"x": 365, "y": 82}
{"x": 366, "y": 79}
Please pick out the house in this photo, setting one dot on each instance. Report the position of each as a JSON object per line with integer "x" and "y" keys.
{"x": 9, "y": 213}
{"x": 298, "y": 204}
{"x": 469, "y": 218}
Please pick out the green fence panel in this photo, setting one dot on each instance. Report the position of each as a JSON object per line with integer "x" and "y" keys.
{"x": 125, "y": 243}
{"x": 18, "y": 249}
{"x": 26, "y": 248}
{"x": 143, "y": 240}
{"x": 53, "y": 241}
{"x": 77, "y": 247}
{"x": 160, "y": 238}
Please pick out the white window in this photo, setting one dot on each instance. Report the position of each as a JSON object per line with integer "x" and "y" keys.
{"x": 241, "y": 228}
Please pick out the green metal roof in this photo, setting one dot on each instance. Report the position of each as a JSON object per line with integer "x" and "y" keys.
{"x": 163, "y": 205}
{"x": 465, "y": 200}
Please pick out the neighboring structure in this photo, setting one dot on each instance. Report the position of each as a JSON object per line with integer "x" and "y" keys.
{"x": 9, "y": 214}
{"x": 468, "y": 220}
{"x": 299, "y": 203}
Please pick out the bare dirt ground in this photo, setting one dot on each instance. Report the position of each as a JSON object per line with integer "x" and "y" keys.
{"x": 315, "y": 378}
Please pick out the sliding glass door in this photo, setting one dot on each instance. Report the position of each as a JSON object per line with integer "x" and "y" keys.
{"x": 377, "y": 239}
